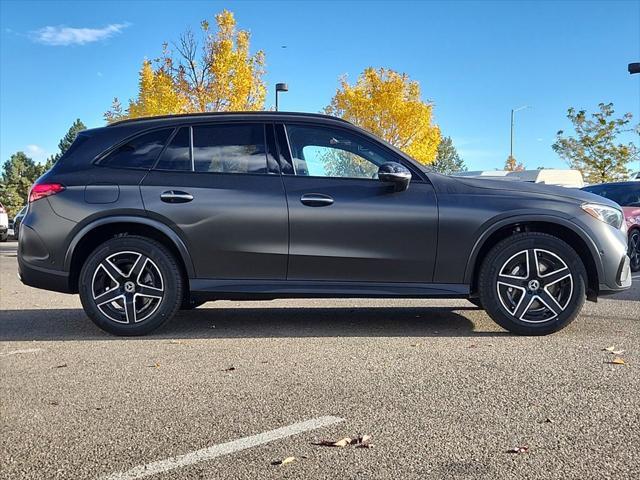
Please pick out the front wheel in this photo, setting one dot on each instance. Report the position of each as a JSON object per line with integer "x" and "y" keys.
{"x": 130, "y": 285}
{"x": 532, "y": 284}
{"x": 634, "y": 249}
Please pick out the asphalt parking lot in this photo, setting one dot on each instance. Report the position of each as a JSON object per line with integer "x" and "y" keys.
{"x": 441, "y": 390}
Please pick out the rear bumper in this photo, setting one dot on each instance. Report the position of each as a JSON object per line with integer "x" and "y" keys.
{"x": 44, "y": 278}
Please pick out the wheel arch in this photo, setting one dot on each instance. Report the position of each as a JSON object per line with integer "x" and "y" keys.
{"x": 556, "y": 226}
{"x": 98, "y": 231}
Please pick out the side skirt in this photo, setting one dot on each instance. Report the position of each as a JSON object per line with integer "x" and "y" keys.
{"x": 215, "y": 289}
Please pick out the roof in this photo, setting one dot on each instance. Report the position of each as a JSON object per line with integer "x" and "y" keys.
{"x": 247, "y": 115}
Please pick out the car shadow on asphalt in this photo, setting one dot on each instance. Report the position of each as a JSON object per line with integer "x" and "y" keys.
{"x": 73, "y": 324}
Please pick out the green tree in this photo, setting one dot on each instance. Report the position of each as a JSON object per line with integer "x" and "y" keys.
{"x": 448, "y": 160}
{"x": 594, "y": 149}
{"x": 65, "y": 142}
{"x": 18, "y": 174}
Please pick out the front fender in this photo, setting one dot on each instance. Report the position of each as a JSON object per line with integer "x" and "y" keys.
{"x": 492, "y": 226}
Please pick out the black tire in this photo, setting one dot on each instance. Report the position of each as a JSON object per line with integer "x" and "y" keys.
{"x": 538, "y": 303}
{"x": 634, "y": 249}
{"x": 149, "y": 294}
{"x": 190, "y": 304}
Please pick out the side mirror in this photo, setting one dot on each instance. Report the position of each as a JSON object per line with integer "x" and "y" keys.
{"x": 396, "y": 173}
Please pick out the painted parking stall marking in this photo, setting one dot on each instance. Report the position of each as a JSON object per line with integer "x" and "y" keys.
{"x": 221, "y": 449}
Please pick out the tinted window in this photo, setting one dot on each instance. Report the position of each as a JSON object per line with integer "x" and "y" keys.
{"x": 229, "y": 149}
{"x": 329, "y": 152}
{"x": 138, "y": 152}
{"x": 177, "y": 155}
{"x": 623, "y": 195}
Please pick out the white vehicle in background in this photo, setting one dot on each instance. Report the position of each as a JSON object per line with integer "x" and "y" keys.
{"x": 4, "y": 224}
{"x": 548, "y": 176}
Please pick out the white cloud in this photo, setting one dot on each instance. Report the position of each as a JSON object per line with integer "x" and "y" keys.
{"x": 62, "y": 36}
{"x": 36, "y": 152}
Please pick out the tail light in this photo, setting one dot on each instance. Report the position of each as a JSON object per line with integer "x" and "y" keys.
{"x": 41, "y": 190}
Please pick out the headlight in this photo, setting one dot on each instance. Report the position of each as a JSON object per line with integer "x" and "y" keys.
{"x": 610, "y": 215}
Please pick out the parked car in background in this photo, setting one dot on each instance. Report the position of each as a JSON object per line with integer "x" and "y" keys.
{"x": 147, "y": 216}
{"x": 627, "y": 195}
{"x": 634, "y": 176}
{"x": 17, "y": 220}
{"x": 4, "y": 224}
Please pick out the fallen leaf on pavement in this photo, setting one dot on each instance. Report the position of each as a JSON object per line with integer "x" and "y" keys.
{"x": 230, "y": 369}
{"x": 522, "y": 449}
{"x": 62, "y": 365}
{"x": 283, "y": 461}
{"x": 343, "y": 442}
{"x": 617, "y": 361}
{"x": 617, "y": 352}
{"x": 609, "y": 349}
{"x": 155, "y": 365}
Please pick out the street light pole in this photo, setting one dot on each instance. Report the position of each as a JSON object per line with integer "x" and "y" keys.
{"x": 513, "y": 111}
{"x": 280, "y": 87}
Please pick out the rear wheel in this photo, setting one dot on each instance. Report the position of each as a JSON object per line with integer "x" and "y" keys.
{"x": 130, "y": 285}
{"x": 634, "y": 249}
{"x": 532, "y": 284}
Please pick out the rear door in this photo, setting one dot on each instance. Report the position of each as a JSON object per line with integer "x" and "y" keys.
{"x": 217, "y": 187}
{"x": 345, "y": 224}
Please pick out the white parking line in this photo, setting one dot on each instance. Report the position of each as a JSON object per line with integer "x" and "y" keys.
{"x": 214, "y": 451}
{"x": 18, "y": 352}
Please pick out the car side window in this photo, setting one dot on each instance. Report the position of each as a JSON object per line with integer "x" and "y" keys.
{"x": 320, "y": 151}
{"x": 177, "y": 156}
{"x": 230, "y": 148}
{"x": 139, "y": 152}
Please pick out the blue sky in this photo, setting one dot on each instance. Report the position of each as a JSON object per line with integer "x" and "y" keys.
{"x": 474, "y": 60}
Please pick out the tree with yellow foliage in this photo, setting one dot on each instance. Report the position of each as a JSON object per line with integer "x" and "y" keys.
{"x": 388, "y": 104}
{"x": 214, "y": 73}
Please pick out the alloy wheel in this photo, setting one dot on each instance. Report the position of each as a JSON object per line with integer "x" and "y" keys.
{"x": 534, "y": 285}
{"x": 127, "y": 287}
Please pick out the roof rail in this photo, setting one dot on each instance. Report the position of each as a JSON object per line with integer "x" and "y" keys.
{"x": 220, "y": 114}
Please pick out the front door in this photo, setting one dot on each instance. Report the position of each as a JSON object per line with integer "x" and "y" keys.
{"x": 345, "y": 224}
{"x": 215, "y": 186}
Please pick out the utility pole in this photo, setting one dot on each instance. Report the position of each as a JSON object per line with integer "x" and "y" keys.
{"x": 513, "y": 111}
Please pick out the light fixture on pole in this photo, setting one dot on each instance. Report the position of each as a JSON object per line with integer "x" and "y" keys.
{"x": 514, "y": 110}
{"x": 280, "y": 87}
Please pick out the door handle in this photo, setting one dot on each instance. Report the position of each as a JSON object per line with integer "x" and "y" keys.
{"x": 175, "y": 196}
{"x": 316, "y": 200}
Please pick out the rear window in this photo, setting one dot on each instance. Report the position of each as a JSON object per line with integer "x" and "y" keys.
{"x": 177, "y": 155}
{"x": 229, "y": 148}
{"x": 139, "y": 152}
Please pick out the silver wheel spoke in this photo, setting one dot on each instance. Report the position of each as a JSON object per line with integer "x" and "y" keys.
{"x": 550, "y": 302}
{"x": 511, "y": 281}
{"x": 556, "y": 276}
{"x": 130, "y": 308}
{"x": 150, "y": 292}
{"x": 113, "y": 271}
{"x": 523, "y": 305}
{"x": 108, "y": 297}
{"x": 533, "y": 268}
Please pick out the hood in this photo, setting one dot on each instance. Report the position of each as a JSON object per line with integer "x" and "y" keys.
{"x": 572, "y": 194}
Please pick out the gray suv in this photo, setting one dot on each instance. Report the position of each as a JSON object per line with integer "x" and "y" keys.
{"x": 148, "y": 216}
